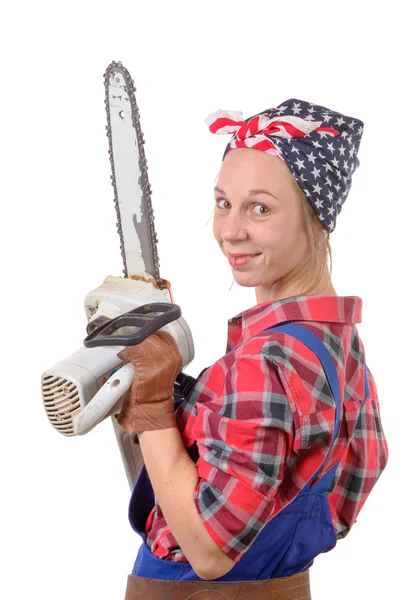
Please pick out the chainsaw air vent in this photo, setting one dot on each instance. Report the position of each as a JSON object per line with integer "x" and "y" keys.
{"x": 61, "y": 399}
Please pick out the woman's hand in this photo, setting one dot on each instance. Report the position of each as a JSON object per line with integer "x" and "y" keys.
{"x": 149, "y": 404}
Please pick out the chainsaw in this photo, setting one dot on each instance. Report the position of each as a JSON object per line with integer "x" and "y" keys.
{"x": 89, "y": 386}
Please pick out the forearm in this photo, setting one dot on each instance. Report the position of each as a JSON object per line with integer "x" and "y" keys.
{"x": 174, "y": 478}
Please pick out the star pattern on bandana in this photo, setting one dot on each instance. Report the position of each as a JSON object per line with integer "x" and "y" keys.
{"x": 322, "y": 165}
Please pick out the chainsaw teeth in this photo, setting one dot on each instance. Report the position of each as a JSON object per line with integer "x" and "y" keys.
{"x": 130, "y": 90}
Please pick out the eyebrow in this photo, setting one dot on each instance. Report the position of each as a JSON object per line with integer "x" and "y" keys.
{"x": 250, "y": 193}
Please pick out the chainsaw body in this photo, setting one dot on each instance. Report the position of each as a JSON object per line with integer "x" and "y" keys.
{"x": 88, "y": 386}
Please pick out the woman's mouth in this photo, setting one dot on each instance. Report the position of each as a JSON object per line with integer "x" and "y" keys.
{"x": 238, "y": 260}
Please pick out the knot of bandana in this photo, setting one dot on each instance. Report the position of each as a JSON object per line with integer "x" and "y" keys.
{"x": 304, "y": 141}
{"x": 286, "y": 126}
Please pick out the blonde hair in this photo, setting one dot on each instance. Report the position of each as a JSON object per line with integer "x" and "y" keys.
{"x": 319, "y": 245}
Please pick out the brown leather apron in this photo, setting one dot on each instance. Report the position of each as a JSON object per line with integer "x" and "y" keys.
{"x": 295, "y": 587}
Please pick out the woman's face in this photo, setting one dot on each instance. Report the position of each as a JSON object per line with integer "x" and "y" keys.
{"x": 261, "y": 233}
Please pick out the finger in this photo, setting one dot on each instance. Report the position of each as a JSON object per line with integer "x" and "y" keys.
{"x": 166, "y": 337}
{"x": 160, "y": 340}
{"x": 123, "y": 356}
{"x": 148, "y": 347}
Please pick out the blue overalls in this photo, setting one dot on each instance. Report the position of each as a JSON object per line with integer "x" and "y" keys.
{"x": 291, "y": 540}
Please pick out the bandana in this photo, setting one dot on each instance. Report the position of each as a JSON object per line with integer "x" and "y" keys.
{"x": 318, "y": 145}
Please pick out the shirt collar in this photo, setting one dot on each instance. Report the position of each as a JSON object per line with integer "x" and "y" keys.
{"x": 332, "y": 309}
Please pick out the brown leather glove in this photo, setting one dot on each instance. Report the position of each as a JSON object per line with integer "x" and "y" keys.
{"x": 149, "y": 404}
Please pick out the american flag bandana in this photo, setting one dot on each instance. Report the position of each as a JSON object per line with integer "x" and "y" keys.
{"x": 318, "y": 145}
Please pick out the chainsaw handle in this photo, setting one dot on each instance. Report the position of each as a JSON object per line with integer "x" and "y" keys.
{"x": 144, "y": 319}
{"x": 104, "y": 401}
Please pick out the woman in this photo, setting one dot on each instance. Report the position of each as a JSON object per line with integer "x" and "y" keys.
{"x": 272, "y": 454}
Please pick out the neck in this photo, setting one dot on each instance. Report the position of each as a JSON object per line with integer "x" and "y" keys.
{"x": 279, "y": 290}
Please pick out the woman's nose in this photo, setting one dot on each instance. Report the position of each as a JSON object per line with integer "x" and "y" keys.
{"x": 233, "y": 228}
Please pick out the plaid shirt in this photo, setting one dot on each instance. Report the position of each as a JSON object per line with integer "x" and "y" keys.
{"x": 259, "y": 422}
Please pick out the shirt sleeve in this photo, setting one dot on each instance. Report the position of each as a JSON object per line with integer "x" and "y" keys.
{"x": 244, "y": 429}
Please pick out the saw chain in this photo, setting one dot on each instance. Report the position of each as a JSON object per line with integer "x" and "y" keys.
{"x": 130, "y": 181}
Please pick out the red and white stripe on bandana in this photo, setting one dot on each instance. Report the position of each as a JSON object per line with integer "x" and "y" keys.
{"x": 252, "y": 133}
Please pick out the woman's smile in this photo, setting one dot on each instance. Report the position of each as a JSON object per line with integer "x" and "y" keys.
{"x": 237, "y": 260}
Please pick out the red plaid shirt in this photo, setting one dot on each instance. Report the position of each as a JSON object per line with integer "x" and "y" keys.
{"x": 260, "y": 421}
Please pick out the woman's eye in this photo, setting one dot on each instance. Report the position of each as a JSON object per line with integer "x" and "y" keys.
{"x": 224, "y": 204}
{"x": 221, "y": 202}
{"x": 259, "y": 207}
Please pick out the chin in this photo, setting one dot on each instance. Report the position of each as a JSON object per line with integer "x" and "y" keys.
{"x": 245, "y": 279}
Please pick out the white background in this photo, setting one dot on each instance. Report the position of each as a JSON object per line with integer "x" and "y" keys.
{"x": 65, "y": 532}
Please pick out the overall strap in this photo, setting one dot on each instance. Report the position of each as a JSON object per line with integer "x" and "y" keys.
{"x": 320, "y": 350}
